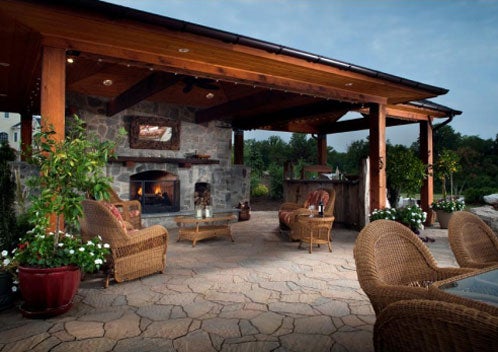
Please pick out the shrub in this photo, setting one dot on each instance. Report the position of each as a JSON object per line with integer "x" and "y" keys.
{"x": 411, "y": 216}
{"x": 475, "y": 195}
{"x": 259, "y": 191}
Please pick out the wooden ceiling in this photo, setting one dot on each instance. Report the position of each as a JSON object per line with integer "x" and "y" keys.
{"x": 128, "y": 56}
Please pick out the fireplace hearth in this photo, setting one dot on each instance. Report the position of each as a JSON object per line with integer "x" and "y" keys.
{"x": 158, "y": 191}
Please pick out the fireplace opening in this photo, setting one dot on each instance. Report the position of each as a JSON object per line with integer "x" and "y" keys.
{"x": 202, "y": 194}
{"x": 158, "y": 191}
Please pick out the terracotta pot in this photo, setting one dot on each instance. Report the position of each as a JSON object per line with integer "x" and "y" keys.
{"x": 48, "y": 291}
{"x": 443, "y": 218}
{"x": 6, "y": 294}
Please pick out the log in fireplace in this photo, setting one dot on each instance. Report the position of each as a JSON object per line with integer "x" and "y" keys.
{"x": 158, "y": 191}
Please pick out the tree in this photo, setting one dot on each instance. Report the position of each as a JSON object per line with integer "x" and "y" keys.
{"x": 445, "y": 167}
{"x": 405, "y": 172}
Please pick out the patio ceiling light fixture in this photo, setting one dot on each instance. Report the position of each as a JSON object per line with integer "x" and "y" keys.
{"x": 107, "y": 82}
{"x": 71, "y": 56}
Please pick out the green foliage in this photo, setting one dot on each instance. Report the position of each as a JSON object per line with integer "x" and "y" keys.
{"x": 276, "y": 177}
{"x": 259, "y": 191}
{"x": 405, "y": 172}
{"x": 38, "y": 251}
{"x": 445, "y": 167}
{"x": 8, "y": 228}
{"x": 448, "y": 205}
{"x": 475, "y": 195}
{"x": 411, "y": 216}
{"x": 69, "y": 169}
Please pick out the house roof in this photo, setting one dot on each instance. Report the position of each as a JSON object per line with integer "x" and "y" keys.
{"x": 244, "y": 82}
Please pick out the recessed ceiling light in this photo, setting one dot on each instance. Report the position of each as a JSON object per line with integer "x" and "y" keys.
{"x": 3, "y": 95}
{"x": 349, "y": 84}
{"x": 209, "y": 95}
{"x": 70, "y": 60}
{"x": 4, "y": 64}
{"x": 183, "y": 50}
{"x": 107, "y": 82}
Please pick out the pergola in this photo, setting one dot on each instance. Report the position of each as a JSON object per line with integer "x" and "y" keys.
{"x": 127, "y": 56}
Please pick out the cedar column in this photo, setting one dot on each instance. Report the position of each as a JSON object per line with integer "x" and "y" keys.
{"x": 238, "y": 153}
{"x": 26, "y": 134}
{"x": 322, "y": 148}
{"x": 53, "y": 90}
{"x": 53, "y": 99}
{"x": 377, "y": 156}
{"x": 426, "y": 155}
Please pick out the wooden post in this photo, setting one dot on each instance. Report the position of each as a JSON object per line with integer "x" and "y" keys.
{"x": 238, "y": 154}
{"x": 377, "y": 156}
{"x": 26, "y": 134}
{"x": 53, "y": 90}
{"x": 426, "y": 155}
{"x": 53, "y": 99}
{"x": 322, "y": 148}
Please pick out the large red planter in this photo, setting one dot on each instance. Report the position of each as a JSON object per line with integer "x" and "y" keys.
{"x": 48, "y": 291}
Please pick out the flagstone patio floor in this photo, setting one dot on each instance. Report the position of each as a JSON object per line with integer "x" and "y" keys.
{"x": 259, "y": 293}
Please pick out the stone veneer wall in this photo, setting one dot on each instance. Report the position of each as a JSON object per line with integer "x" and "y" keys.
{"x": 229, "y": 183}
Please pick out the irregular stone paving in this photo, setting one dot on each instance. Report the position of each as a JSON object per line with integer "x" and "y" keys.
{"x": 259, "y": 293}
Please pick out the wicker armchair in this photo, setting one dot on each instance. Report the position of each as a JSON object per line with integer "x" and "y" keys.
{"x": 289, "y": 212}
{"x": 134, "y": 253}
{"x": 426, "y": 325}
{"x": 472, "y": 241}
{"x": 131, "y": 210}
{"x": 393, "y": 264}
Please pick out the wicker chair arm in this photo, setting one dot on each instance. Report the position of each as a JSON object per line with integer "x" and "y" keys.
{"x": 446, "y": 273}
{"x": 141, "y": 240}
{"x": 290, "y": 206}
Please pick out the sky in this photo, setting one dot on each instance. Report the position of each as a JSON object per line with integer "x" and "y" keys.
{"x": 451, "y": 44}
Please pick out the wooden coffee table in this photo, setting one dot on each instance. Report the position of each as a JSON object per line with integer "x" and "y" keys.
{"x": 196, "y": 229}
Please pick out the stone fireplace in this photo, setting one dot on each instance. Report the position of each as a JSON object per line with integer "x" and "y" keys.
{"x": 174, "y": 169}
{"x": 158, "y": 191}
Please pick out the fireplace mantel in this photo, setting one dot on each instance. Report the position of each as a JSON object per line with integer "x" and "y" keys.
{"x": 181, "y": 162}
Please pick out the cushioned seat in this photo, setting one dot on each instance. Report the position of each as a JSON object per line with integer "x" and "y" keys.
{"x": 134, "y": 253}
{"x": 289, "y": 212}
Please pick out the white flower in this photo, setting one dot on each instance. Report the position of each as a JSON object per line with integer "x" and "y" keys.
{"x": 106, "y": 245}
{"x": 14, "y": 288}
{"x": 71, "y": 251}
{"x": 6, "y": 261}
{"x": 60, "y": 244}
{"x": 81, "y": 249}
{"x": 90, "y": 243}
{"x": 91, "y": 254}
{"x": 4, "y": 253}
{"x": 98, "y": 261}
{"x": 99, "y": 246}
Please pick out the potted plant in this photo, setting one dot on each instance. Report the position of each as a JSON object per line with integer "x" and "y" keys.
{"x": 8, "y": 226}
{"x": 412, "y": 216}
{"x": 444, "y": 209}
{"x": 445, "y": 167}
{"x": 50, "y": 260}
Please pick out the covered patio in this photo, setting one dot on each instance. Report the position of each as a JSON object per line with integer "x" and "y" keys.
{"x": 123, "y": 57}
{"x": 259, "y": 293}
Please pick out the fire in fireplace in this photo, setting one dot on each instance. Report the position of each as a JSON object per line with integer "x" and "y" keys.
{"x": 158, "y": 191}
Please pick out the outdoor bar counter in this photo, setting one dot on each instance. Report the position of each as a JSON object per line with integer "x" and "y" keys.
{"x": 349, "y": 206}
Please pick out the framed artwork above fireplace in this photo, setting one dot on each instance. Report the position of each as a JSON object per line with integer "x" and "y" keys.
{"x": 148, "y": 132}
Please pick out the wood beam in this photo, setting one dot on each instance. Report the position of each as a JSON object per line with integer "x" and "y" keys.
{"x": 360, "y": 124}
{"x": 238, "y": 147}
{"x": 285, "y": 116}
{"x": 53, "y": 101}
{"x": 377, "y": 156}
{"x": 426, "y": 155}
{"x": 322, "y": 148}
{"x": 223, "y": 111}
{"x": 147, "y": 87}
{"x": 53, "y": 91}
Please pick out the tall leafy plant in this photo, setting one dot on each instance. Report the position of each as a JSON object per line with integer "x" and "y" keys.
{"x": 69, "y": 169}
